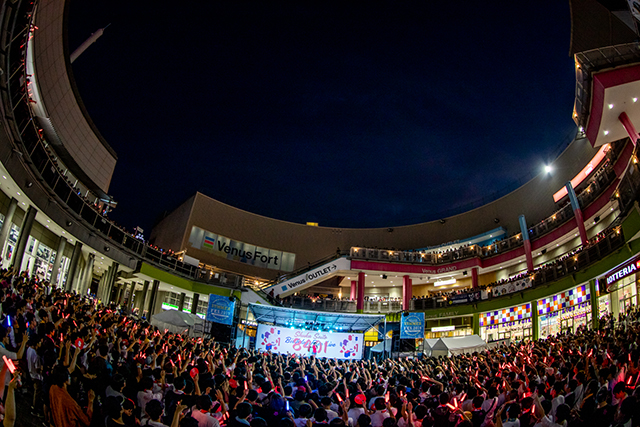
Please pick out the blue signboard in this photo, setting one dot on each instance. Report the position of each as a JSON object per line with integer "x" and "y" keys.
{"x": 412, "y": 326}
{"x": 220, "y": 309}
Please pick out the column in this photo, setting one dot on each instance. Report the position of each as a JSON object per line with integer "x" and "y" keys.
{"x": 354, "y": 290}
{"x": 88, "y": 275}
{"x": 535, "y": 323}
{"x": 132, "y": 290}
{"x": 58, "y": 261}
{"x": 25, "y": 231}
{"x": 595, "y": 310}
{"x": 474, "y": 278}
{"x": 476, "y": 324}
{"x": 102, "y": 285}
{"x": 6, "y": 225}
{"x": 111, "y": 280}
{"x": 527, "y": 243}
{"x": 152, "y": 299}
{"x": 194, "y": 303}
{"x": 360, "y": 299}
{"x": 407, "y": 293}
{"x": 578, "y": 212}
{"x": 119, "y": 290}
{"x": 181, "y": 301}
{"x": 629, "y": 127}
{"x": 73, "y": 266}
{"x": 143, "y": 298}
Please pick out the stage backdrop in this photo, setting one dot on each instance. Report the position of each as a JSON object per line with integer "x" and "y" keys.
{"x": 338, "y": 345}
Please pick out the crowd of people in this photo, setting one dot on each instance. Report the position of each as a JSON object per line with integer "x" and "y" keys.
{"x": 82, "y": 363}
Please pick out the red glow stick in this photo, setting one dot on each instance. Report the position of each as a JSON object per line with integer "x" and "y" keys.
{"x": 9, "y": 363}
{"x": 340, "y": 398}
{"x": 451, "y": 406}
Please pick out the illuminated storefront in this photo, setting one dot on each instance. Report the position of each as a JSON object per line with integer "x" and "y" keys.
{"x": 452, "y": 327}
{"x": 619, "y": 289}
{"x": 513, "y": 323}
{"x": 565, "y": 312}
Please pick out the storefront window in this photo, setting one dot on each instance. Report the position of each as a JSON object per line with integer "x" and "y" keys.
{"x": 565, "y": 312}
{"x": 509, "y": 323}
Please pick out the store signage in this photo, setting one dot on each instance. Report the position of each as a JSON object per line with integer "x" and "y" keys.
{"x": 443, "y": 314}
{"x": 413, "y": 268}
{"x": 305, "y": 280}
{"x": 622, "y": 272}
{"x": 242, "y": 252}
{"x": 220, "y": 309}
{"x": 443, "y": 328}
{"x": 412, "y": 326}
{"x": 337, "y": 345}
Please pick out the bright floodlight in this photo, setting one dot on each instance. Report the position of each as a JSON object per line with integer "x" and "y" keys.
{"x": 548, "y": 168}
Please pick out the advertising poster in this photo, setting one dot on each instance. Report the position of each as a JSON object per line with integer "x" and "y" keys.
{"x": 337, "y": 345}
{"x": 220, "y": 309}
{"x": 412, "y": 326}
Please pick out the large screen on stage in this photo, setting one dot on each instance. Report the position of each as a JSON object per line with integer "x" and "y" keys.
{"x": 338, "y": 345}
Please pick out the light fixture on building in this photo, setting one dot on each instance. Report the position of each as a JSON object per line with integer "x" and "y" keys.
{"x": 445, "y": 282}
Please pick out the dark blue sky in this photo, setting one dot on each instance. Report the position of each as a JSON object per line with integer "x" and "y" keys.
{"x": 344, "y": 113}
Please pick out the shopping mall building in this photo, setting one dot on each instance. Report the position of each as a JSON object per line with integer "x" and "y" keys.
{"x": 559, "y": 252}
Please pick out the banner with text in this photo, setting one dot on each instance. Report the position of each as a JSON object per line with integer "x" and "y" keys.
{"x": 220, "y": 309}
{"x": 240, "y": 251}
{"x": 412, "y": 326}
{"x": 338, "y": 345}
{"x": 309, "y": 278}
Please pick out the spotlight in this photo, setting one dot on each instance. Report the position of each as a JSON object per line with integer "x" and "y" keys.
{"x": 107, "y": 248}
{"x": 29, "y": 184}
{"x": 69, "y": 223}
{"x": 548, "y": 168}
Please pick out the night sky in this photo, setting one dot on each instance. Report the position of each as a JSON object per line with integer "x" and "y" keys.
{"x": 353, "y": 114}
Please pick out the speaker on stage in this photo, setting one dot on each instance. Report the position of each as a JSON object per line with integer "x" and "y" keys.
{"x": 220, "y": 332}
{"x": 407, "y": 345}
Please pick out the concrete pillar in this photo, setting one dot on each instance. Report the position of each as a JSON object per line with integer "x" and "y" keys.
{"x": 73, "y": 266}
{"x": 595, "y": 310}
{"x": 132, "y": 291}
{"x": 578, "y": 212}
{"x": 629, "y": 127}
{"x": 103, "y": 284}
{"x": 527, "y": 243}
{"x": 360, "y": 300}
{"x": 354, "y": 290}
{"x": 407, "y": 292}
{"x": 6, "y": 225}
{"x": 25, "y": 231}
{"x": 181, "y": 301}
{"x": 476, "y": 323}
{"x": 535, "y": 322}
{"x": 194, "y": 303}
{"x": 143, "y": 297}
{"x": 152, "y": 298}
{"x": 474, "y": 278}
{"x": 112, "y": 279}
{"x": 88, "y": 275}
{"x": 58, "y": 261}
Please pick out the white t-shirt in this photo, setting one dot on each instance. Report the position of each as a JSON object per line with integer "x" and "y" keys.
{"x": 205, "y": 419}
{"x": 378, "y": 417}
